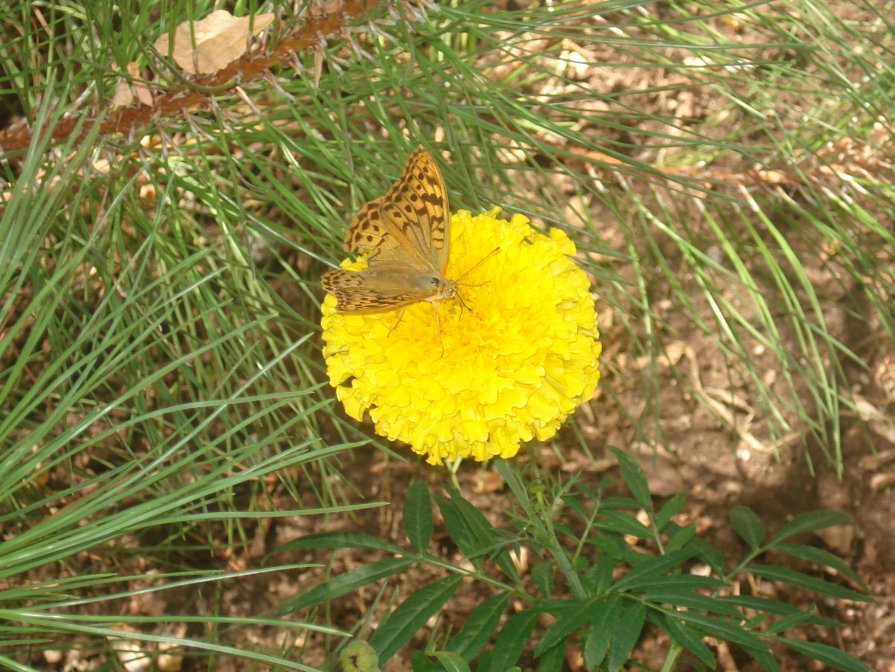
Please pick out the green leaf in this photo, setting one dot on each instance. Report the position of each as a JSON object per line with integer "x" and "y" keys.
{"x": 542, "y": 576}
{"x": 654, "y": 568}
{"x": 727, "y": 630}
{"x": 478, "y": 626}
{"x": 748, "y": 525}
{"x": 681, "y": 537}
{"x": 811, "y": 522}
{"x": 342, "y": 584}
{"x": 690, "y": 600}
{"x": 688, "y": 639}
{"x": 598, "y": 577}
{"x": 806, "y": 582}
{"x": 596, "y": 643}
{"x": 669, "y": 509}
{"x": 451, "y": 661}
{"x": 827, "y": 655}
{"x": 820, "y": 557}
{"x": 403, "y": 623}
{"x": 573, "y": 615}
{"x": 512, "y": 640}
{"x": 634, "y": 478}
{"x": 625, "y": 633}
{"x": 709, "y": 554}
{"x": 552, "y": 659}
{"x": 331, "y": 540}
{"x": 620, "y": 521}
{"x": 418, "y": 516}
{"x": 474, "y": 534}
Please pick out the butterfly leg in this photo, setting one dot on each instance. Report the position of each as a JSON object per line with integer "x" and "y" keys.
{"x": 398, "y": 321}
{"x": 438, "y": 325}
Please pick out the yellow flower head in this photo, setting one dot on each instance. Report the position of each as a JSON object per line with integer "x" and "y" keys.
{"x": 506, "y": 367}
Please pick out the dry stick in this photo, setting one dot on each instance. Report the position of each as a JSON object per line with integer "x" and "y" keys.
{"x": 248, "y": 67}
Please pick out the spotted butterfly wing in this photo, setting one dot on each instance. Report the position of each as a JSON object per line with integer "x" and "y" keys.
{"x": 405, "y": 235}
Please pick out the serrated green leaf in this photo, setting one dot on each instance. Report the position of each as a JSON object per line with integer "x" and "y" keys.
{"x": 451, "y": 661}
{"x": 418, "y": 516}
{"x": 635, "y": 478}
{"x": 688, "y": 639}
{"x": 399, "y": 627}
{"x": 552, "y": 659}
{"x": 669, "y": 509}
{"x": 596, "y": 643}
{"x": 827, "y": 655}
{"x": 694, "y": 601}
{"x": 329, "y": 540}
{"x": 791, "y": 621}
{"x": 654, "y": 568}
{"x": 708, "y": 554}
{"x": 512, "y": 640}
{"x": 810, "y": 522}
{"x": 820, "y": 557}
{"x": 621, "y": 521}
{"x": 806, "y": 582}
{"x": 573, "y": 615}
{"x": 474, "y": 535}
{"x": 478, "y": 627}
{"x": 681, "y": 537}
{"x": 542, "y": 576}
{"x": 598, "y": 577}
{"x": 765, "y": 659}
{"x": 727, "y": 630}
{"x": 459, "y": 531}
{"x": 747, "y": 525}
{"x": 625, "y": 633}
{"x": 342, "y": 584}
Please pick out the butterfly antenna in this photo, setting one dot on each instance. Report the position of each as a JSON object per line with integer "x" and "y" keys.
{"x": 479, "y": 263}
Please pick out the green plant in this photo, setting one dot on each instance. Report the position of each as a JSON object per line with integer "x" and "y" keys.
{"x": 609, "y": 567}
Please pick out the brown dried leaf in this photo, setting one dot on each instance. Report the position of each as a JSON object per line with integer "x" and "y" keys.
{"x": 126, "y": 90}
{"x": 220, "y": 38}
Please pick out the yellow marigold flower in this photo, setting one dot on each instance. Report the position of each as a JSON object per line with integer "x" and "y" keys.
{"x": 507, "y": 368}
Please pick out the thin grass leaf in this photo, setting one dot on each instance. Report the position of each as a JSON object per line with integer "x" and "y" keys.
{"x": 334, "y": 540}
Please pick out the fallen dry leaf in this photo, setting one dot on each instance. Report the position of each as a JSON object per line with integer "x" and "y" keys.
{"x": 219, "y": 39}
{"x": 126, "y": 90}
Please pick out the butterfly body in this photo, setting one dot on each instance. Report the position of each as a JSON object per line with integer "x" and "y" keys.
{"x": 405, "y": 235}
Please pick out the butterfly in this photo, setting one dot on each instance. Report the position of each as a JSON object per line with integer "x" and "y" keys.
{"x": 406, "y": 236}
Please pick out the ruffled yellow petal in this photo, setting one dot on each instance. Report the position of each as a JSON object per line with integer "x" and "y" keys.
{"x": 507, "y": 369}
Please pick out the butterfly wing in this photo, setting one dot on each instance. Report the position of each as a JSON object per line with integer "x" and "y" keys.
{"x": 368, "y": 291}
{"x": 410, "y": 223}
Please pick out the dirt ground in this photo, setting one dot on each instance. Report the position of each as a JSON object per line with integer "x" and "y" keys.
{"x": 698, "y": 453}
